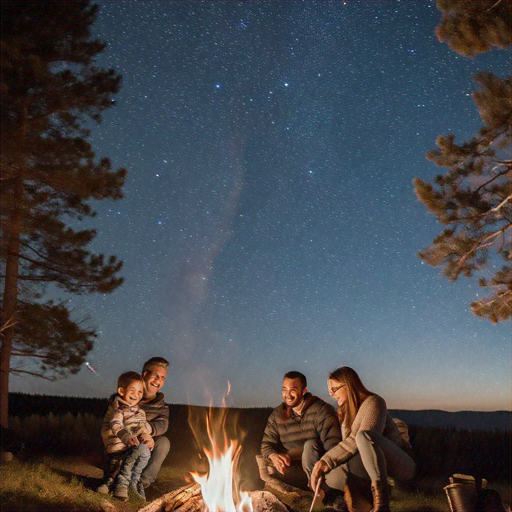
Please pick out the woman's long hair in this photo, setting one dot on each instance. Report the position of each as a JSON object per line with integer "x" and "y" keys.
{"x": 356, "y": 395}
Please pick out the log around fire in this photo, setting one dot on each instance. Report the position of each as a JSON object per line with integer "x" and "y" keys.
{"x": 189, "y": 499}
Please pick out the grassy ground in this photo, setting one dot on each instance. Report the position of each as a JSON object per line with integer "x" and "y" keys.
{"x": 67, "y": 484}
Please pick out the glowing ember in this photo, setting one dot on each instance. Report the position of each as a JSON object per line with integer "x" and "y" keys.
{"x": 222, "y": 451}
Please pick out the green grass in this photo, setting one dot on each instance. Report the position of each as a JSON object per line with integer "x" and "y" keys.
{"x": 418, "y": 501}
{"x": 63, "y": 484}
{"x": 67, "y": 484}
{"x": 34, "y": 486}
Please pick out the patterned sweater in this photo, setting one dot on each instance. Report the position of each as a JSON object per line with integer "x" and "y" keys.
{"x": 372, "y": 415}
{"x": 285, "y": 431}
{"x": 121, "y": 423}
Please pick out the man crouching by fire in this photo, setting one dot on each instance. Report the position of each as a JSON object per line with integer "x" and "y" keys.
{"x": 298, "y": 432}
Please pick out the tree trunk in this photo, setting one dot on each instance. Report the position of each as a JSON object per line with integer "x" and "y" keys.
{"x": 10, "y": 300}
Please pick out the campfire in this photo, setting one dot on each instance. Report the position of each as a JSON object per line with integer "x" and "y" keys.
{"x": 218, "y": 435}
{"x": 216, "y": 487}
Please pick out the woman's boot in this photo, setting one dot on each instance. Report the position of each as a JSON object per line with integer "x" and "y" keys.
{"x": 380, "y": 494}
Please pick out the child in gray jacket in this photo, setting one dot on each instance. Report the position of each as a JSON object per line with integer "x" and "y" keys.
{"x": 123, "y": 423}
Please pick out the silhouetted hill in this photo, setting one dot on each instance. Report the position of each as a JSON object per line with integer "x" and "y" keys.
{"x": 469, "y": 420}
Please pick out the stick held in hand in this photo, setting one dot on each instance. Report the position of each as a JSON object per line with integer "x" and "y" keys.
{"x": 316, "y": 497}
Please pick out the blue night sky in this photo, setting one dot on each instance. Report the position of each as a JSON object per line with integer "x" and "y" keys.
{"x": 269, "y": 221}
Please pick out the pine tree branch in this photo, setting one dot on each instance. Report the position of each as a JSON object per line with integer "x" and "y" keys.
{"x": 9, "y": 323}
{"x": 49, "y": 279}
{"x": 481, "y": 245}
{"x": 472, "y": 218}
{"x": 500, "y": 302}
{"x": 61, "y": 275}
{"x": 42, "y": 95}
{"x": 503, "y": 242}
{"x": 496, "y": 131}
{"x": 505, "y": 201}
{"x": 56, "y": 270}
{"x": 476, "y": 13}
{"x": 43, "y": 256}
{"x": 37, "y": 279}
{"x": 34, "y": 374}
{"x": 493, "y": 178}
{"x": 39, "y": 263}
{"x": 35, "y": 251}
{"x": 492, "y": 6}
{"x": 29, "y": 354}
{"x": 499, "y": 286}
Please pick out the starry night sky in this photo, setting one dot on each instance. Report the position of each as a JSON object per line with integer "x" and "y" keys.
{"x": 269, "y": 221}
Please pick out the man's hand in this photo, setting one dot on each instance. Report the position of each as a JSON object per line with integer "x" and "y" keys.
{"x": 318, "y": 472}
{"x": 280, "y": 461}
{"x": 148, "y": 440}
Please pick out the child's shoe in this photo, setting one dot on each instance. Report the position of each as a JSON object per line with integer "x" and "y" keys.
{"x": 138, "y": 489}
{"x": 121, "y": 492}
{"x": 103, "y": 489}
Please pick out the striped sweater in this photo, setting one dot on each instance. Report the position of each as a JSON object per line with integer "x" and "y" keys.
{"x": 157, "y": 413}
{"x": 121, "y": 423}
{"x": 285, "y": 431}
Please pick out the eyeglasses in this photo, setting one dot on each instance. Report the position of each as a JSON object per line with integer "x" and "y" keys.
{"x": 336, "y": 389}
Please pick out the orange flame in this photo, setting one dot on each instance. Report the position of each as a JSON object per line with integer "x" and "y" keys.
{"x": 222, "y": 449}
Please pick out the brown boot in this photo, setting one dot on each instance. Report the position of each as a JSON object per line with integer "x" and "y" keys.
{"x": 380, "y": 496}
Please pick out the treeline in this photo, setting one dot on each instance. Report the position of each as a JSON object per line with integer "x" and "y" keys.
{"x": 63, "y": 434}
{"x": 23, "y": 404}
{"x": 67, "y": 425}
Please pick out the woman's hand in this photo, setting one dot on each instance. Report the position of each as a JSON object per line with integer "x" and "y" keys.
{"x": 318, "y": 472}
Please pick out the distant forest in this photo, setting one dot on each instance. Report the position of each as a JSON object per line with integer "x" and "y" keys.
{"x": 72, "y": 425}
{"x": 22, "y": 405}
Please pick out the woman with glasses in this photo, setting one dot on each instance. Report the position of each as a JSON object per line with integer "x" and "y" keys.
{"x": 372, "y": 447}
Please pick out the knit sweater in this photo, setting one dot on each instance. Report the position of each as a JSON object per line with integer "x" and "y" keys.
{"x": 121, "y": 423}
{"x": 286, "y": 431}
{"x": 372, "y": 415}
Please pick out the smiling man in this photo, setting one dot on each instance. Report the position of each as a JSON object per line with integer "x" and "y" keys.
{"x": 154, "y": 373}
{"x": 297, "y": 434}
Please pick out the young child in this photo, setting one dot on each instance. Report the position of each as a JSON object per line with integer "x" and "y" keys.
{"x": 123, "y": 423}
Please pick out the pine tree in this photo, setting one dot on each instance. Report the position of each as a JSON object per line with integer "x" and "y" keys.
{"x": 52, "y": 94}
{"x": 474, "y": 196}
{"x": 47, "y": 343}
{"x": 471, "y": 28}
